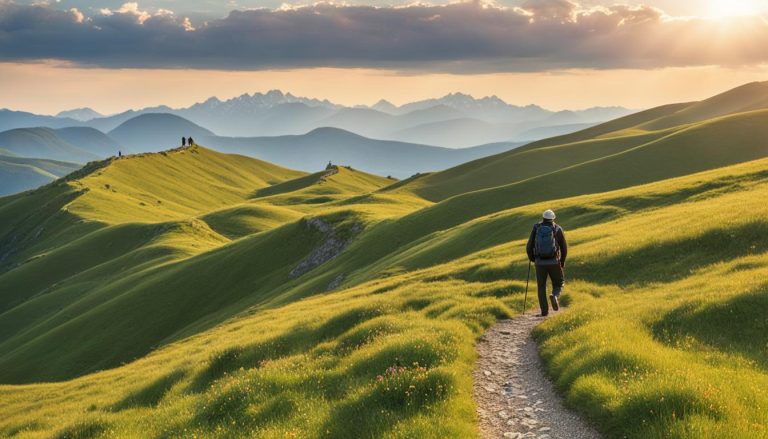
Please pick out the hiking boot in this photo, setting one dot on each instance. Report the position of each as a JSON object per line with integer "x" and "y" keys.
{"x": 543, "y": 315}
{"x": 555, "y": 303}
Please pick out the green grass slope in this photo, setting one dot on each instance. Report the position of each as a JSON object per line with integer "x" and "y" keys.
{"x": 151, "y": 234}
{"x": 748, "y": 97}
{"x": 285, "y": 202}
{"x": 171, "y": 185}
{"x": 602, "y": 141}
{"x": 720, "y": 142}
{"x": 664, "y": 337}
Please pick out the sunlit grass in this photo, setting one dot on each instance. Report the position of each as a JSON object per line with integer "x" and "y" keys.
{"x": 665, "y": 336}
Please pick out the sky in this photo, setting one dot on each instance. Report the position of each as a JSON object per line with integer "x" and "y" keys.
{"x": 115, "y": 55}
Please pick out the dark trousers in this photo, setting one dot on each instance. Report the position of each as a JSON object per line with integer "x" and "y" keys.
{"x": 555, "y": 273}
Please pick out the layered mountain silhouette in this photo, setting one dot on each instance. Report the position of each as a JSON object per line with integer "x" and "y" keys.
{"x": 470, "y": 121}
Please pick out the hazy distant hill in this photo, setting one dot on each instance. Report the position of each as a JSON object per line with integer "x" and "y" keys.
{"x": 457, "y": 133}
{"x": 156, "y": 131}
{"x": 10, "y": 119}
{"x": 43, "y": 143}
{"x": 81, "y": 114}
{"x": 89, "y": 139}
{"x": 315, "y": 149}
{"x": 18, "y": 174}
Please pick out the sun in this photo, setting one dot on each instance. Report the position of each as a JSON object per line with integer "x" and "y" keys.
{"x": 734, "y": 8}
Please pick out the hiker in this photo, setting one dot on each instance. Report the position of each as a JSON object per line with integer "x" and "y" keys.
{"x": 183, "y": 141}
{"x": 547, "y": 249}
{"x": 190, "y": 142}
{"x": 119, "y": 154}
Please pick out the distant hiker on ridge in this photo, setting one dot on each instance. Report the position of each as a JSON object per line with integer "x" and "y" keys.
{"x": 183, "y": 141}
{"x": 548, "y": 249}
{"x": 190, "y": 142}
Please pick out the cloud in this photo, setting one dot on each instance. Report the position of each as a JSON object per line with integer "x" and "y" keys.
{"x": 459, "y": 37}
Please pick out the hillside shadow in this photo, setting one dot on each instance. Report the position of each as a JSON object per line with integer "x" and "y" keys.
{"x": 297, "y": 340}
{"x": 83, "y": 430}
{"x": 661, "y": 199}
{"x": 150, "y": 395}
{"x": 674, "y": 260}
{"x": 290, "y": 185}
{"x": 394, "y": 399}
{"x": 736, "y": 325}
{"x": 661, "y": 410}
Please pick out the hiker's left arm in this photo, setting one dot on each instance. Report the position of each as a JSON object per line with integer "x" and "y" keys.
{"x": 563, "y": 246}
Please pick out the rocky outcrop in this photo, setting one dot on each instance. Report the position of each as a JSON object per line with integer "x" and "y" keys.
{"x": 331, "y": 247}
{"x": 335, "y": 282}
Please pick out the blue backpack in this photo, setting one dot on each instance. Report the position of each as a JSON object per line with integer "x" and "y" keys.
{"x": 545, "y": 246}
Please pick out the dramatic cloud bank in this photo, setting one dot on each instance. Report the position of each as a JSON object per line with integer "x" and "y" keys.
{"x": 460, "y": 37}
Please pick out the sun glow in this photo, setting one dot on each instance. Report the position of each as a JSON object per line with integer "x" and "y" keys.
{"x": 734, "y": 8}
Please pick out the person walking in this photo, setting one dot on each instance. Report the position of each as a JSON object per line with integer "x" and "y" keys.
{"x": 547, "y": 249}
{"x": 183, "y": 141}
{"x": 190, "y": 142}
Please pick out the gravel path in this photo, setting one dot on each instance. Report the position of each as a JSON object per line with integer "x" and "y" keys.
{"x": 515, "y": 398}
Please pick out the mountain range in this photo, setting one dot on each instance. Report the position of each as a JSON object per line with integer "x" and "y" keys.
{"x": 455, "y": 120}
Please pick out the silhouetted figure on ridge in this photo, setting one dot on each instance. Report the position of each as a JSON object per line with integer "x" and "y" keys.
{"x": 119, "y": 154}
{"x": 183, "y": 141}
{"x": 330, "y": 165}
{"x": 190, "y": 142}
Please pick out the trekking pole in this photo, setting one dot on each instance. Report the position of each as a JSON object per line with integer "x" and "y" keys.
{"x": 528, "y": 278}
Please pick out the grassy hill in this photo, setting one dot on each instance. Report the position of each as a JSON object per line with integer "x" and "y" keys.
{"x": 730, "y": 121}
{"x": 395, "y": 351}
{"x": 91, "y": 140}
{"x": 122, "y": 237}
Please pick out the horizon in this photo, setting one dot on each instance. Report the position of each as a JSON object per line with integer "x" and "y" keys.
{"x": 321, "y": 100}
{"x": 713, "y": 83}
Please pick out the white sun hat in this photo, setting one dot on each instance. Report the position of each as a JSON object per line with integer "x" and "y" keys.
{"x": 549, "y": 214}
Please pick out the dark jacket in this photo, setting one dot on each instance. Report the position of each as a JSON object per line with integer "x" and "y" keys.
{"x": 562, "y": 246}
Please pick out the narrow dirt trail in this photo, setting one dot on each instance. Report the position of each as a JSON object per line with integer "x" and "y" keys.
{"x": 515, "y": 398}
